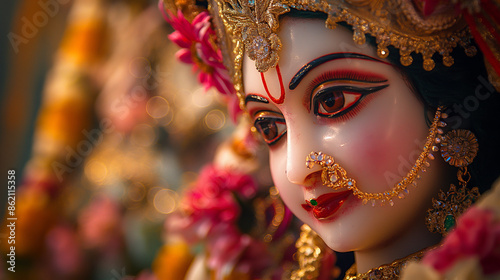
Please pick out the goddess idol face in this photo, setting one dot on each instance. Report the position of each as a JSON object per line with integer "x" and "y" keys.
{"x": 357, "y": 108}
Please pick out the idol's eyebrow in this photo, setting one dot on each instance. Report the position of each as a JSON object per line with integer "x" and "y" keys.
{"x": 255, "y": 98}
{"x": 297, "y": 78}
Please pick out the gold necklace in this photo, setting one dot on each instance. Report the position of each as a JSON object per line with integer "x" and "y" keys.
{"x": 390, "y": 271}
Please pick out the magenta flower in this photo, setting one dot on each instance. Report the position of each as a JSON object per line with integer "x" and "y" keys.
{"x": 254, "y": 259}
{"x": 225, "y": 244}
{"x": 213, "y": 195}
{"x": 477, "y": 235}
{"x": 211, "y": 201}
{"x": 198, "y": 48}
{"x": 210, "y": 213}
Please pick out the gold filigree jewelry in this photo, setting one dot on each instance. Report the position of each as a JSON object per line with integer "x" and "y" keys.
{"x": 256, "y": 22}
{"x": 394, "y": 22}
{"x": 441, "y": 218}
{"x": 310, "y": 249}
{"x": 458, "y": 148}
{"x": 251, "y": 26}
{"x": 335, "y": 177}
{"x": 390, "y": 271}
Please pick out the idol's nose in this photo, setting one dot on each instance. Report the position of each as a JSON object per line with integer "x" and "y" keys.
{"x": 299, "y": 146}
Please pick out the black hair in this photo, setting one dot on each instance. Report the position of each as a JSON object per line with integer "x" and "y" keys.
{"x": 471, "y": 101}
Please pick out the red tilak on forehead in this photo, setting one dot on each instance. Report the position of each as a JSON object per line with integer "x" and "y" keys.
{"x": 282, "y": 94}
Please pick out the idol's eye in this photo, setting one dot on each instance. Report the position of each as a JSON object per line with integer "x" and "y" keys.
{"x": 335, "y": 101}
{"x": 271, "y": 127}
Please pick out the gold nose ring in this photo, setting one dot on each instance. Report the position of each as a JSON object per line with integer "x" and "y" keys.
{"x": 332, "y": 175}
{"x": 335, "y": 177}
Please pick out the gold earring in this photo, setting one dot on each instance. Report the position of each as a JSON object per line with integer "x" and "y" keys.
{"x": 458, "y": 148}
{"x": 335, "y": 177}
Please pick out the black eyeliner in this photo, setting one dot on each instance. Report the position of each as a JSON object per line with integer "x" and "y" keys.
{"x": 365, "y": 91}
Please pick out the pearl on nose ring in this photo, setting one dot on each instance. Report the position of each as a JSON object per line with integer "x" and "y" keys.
{"x": 332, "y": 175}
{"x": 335, "y": 177}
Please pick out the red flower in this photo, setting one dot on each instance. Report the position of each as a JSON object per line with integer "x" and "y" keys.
{"x": 211, "y": 211}
{"x": 198, "y": 49}
{"x": 211, "y": 202}
{"x": 476, "y": 235}
{"x": 213, "y": 195}
{"x": 225, "y": 244}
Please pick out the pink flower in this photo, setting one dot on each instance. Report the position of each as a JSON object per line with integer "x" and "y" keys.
{"x": 100, "y": 224}
{"x": 214, "y": 194}
{"x": 211, "y": 201}
{"x": 255, "y": 259}
{"x": 225, "y": 245}
{"x": 65, "y": 255}
{"x": 476, "y": 235}
{"x": 198, "y": 49}
{"x": 211, "y": 211}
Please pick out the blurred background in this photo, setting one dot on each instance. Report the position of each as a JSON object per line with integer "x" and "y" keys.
{"x": 103, "y": 128}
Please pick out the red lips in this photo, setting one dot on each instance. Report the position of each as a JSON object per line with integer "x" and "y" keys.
{"x": 327, "y": 204}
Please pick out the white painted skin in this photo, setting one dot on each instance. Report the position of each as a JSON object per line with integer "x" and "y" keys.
{"x": 382, "y": 135}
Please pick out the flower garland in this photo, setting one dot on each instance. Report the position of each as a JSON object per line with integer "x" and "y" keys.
{"x": 217, "y": 215}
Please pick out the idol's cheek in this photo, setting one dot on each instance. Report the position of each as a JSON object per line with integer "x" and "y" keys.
{"x": 378, "y": 145}
{"x": 373, "y": 151}
{"x": 370, "y": 159}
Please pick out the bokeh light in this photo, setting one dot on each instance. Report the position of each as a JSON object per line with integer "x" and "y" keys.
{"x": 165, "y": 201}
{"x": 157, "y": 107}
{"x": 96, "y": 172}
{"x": 215, "y": 120}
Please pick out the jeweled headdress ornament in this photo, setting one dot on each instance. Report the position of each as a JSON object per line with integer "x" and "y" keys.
{"x": 421, "y": 27}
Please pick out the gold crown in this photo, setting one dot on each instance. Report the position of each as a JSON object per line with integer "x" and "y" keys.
{"x": 251, "y": 25}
